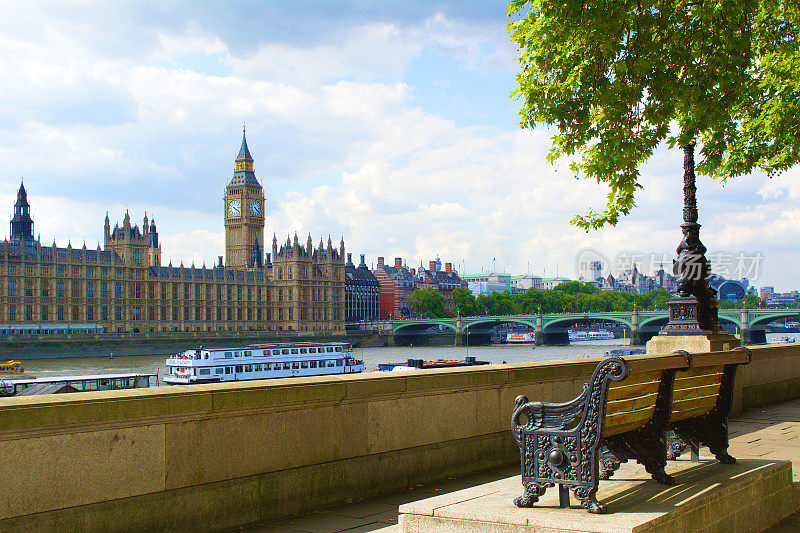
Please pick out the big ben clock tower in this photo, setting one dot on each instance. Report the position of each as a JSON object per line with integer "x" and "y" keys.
{"x": 244, "y": 212}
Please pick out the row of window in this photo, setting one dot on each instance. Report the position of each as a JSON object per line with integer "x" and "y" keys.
{"x": 135, "y": 291}
{"x": 284, "y": 351}
{"x": 332, "y": 363}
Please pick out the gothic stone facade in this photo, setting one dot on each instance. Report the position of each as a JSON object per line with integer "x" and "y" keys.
{"x": 124, "y": 288}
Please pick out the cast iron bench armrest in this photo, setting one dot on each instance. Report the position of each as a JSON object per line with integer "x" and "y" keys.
{"x": 549, "y": 415}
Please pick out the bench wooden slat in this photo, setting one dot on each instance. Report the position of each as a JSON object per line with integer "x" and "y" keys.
{"x": 695, "y": 392}
{"x": 645, "y": 363}
{"x": 633, "y": 379}
{"x": 720, "y": 358}
{"x": 616, "y": 430}
{"x": 627, "y": 417}
{"x": 698, "y": 381}
{"x": 680, "y": 407}
{"x": 631, "y": 391}
{"x": 627, "y": 421}
{"x": 631, "y": 404}
{"x": 691, "y": 413}
{"x": 699, "y": 371}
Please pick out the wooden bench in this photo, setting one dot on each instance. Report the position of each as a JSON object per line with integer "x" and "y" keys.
{"x": 624, "y": 407}
{"x": 702, "y": 402}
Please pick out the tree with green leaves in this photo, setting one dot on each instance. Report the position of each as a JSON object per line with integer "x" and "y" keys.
{"x": 427, "y": 302}
{"x": 463, "y": 301}
{"x": 618, "y": 78}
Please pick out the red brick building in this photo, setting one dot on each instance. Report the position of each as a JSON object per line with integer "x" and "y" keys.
{"x": 398, "y": 283}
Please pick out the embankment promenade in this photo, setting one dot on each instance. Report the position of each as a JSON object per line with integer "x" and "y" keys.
{"x": 214, "y": 457}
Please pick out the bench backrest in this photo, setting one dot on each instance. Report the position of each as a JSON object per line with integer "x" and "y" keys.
{"x": 697, "y": 389}
{"x": 630, "y": 403}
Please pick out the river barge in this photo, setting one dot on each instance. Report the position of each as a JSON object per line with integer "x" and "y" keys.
{"x": 261, "y": 361}
{"x": 417, "y": 364}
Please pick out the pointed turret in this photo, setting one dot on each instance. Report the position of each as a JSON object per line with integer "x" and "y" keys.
{"x": 274, "y": 246}
{"x": 341, "y": 249}
{"x": 244, "y": 174}
{"x": 22, "y": 223}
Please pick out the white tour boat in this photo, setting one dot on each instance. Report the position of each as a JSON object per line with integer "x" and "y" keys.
{"x": 261, "y": 361}
{"x": 582, "y": 335}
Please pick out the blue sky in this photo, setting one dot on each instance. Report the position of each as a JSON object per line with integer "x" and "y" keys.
{"x": 388, "y": 123}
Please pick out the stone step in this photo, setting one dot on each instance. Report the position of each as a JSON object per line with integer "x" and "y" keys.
{"x": 709, "y": 497}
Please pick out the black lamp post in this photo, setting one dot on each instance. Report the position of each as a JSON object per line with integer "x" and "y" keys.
{"x": 693, "y": 306}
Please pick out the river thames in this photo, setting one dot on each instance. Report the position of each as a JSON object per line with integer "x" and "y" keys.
{"x": 155, "y": 364}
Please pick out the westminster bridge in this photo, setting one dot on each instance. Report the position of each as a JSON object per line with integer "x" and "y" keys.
{"x": 551, "y": 328}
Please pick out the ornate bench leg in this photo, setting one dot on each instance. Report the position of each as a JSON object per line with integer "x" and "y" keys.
{"x": 531, "y": 496}
{"x": 656, "y": 469}
{"x": 609, "y": 463}
{"x": 588, "y": 498}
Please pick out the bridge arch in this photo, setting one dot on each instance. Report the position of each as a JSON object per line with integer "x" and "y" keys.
{"x": 498, "y": 320}
{"x": 423, "y": 323}
{"x": 572, "y": 318}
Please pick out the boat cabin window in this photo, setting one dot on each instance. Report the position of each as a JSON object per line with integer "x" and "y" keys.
{"x": 330, "y": 348}
{"x": 248, "y": 353}
{"x": 228, "y": 355}
{"x": 228, "y": 369}
{"x": 258, "y": 368}
{"x": 294, "y": 351}
{"x": 219, "y": 370}
{"x": 285, "y": 351}
{"x": 286, "y": 366}
{"x": 237, "y": 354}
{"x": 204, "y": 371}
{"x": 295, "y": 365}
{"x": 205, "y": 355}
{"x": 304, "y": 364}
{"x": 303, "y": 350}
{"x": 238, "y": 368}
{"x": 248, "y": 368}
{"x": 312, "y": 350}
{"x": 338, "y": 348}
{"x": 313, "y": 364}
{"x": 331, "y": 363}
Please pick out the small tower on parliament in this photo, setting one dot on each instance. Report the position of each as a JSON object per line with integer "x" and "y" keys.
{"x": 134, "y": 246}
{"x": 244, "y": 214}
{"x": 22, "y": 223}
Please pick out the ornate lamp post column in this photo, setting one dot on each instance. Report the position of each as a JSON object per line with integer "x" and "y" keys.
{"x": 693, "y": 306}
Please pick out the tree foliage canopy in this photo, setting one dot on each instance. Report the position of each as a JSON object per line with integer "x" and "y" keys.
{"x": 428, "y": 302}
{"x": 617, "y": 78}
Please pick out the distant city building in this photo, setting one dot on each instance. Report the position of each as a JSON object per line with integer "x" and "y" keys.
{"x": 633, "y": 281}
{"x": 443, "y": 281}
{"x": 362, "y": 292}
{"x": 397, "y": 283}
{"x": 552, "y": 283}
{"x": 731, "y": 290}
{"x": 523, "y": 283}
{"x": 767, "y": 291}
{"x": 491, "y": 282}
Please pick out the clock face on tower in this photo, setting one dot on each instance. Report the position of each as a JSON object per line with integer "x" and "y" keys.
{"x": 255, "y": 208}
{"x": 234, "y": 208}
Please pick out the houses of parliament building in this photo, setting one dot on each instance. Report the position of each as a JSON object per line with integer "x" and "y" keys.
{"x": 123, "y": 287}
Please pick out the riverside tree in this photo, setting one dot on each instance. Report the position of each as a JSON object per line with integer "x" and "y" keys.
{"x": 617, "y": 78}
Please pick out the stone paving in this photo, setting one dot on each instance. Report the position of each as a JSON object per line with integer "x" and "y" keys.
{"x": 771, "y": 432}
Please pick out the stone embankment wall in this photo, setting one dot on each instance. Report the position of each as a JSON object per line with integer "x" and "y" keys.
{"x": 211, "y": 457}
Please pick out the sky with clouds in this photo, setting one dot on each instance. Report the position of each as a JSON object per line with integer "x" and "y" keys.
{"x": 388, "y": 123}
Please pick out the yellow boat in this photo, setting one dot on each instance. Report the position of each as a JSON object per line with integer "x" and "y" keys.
{"x": 11, "y": 367}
